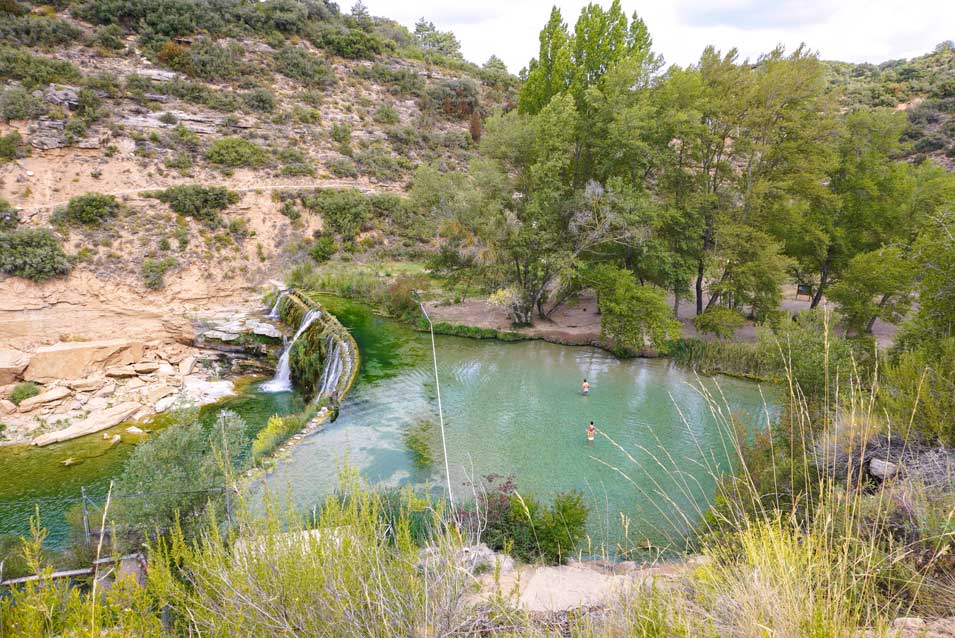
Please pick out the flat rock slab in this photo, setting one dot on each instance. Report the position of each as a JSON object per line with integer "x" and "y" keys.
{"x": 93, "y": 423}
{"x": 76, "y": 359}
{"x": 54, "y": 394}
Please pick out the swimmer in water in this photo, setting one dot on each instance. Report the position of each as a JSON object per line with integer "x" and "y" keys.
{"x": 585, "y": 388}
{"x": 591, "y": 431}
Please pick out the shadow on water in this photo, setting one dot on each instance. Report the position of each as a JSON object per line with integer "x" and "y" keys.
{"x": 32, "y": 477}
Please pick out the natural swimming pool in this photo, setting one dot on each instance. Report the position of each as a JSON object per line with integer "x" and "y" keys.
{"x": 515, "y": 409}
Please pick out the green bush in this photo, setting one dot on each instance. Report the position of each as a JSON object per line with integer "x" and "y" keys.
{"x": 323, "y": 249}
{"x": 532, "y": 531}
{"x": 109, "y": 37}
{"x": 916, "y": 387}
{"x": 341, "y": 133}
{"x": 203, "y": 203}
{"x": 91, "y": 209}
{"x": 454, "y": 98}
{"x": 37, "y": 31}
{"x": 276, "y": 432}
{"x": 355, "y": 44}
{"x": 378, "y": 161}
{"x": 18, "y": 104}
{"x": 9, "y": 218}
{"x": 295, "y": 162}
{"x": 719, "y": 321}
{"x": 342, "y": 211}
{"x": 343, "y": 167}
{"x": 399, "y": 81}
{"x": 260, "y": 100}
{"x": 235, "y": 152}
{"x": 23, "y": 391}
{"x": 154, "y": 271}
{"x": 386, "y": 114}
{"x": 298, "y": 64}
{"x": 32, "y": 253}
{"x": 10, "y": 146}
{"x": 34, "y": 71}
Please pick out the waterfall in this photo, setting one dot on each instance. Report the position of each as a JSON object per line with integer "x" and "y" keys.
{"x": 337, "y": 364}
{"x": 274, "y": 312}
{"x": 282, "y": 381}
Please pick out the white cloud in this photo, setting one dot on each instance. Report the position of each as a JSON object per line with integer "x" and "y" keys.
{"x": 851, "y": 30}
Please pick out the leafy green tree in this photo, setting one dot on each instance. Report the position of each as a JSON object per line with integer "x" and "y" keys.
{"x": 874, "y": 285}
{"x": 551, "y": 72}
{"x": 430, "y": 39}
{"x": 91, "y": 209}
{"x": 632, "y": 316}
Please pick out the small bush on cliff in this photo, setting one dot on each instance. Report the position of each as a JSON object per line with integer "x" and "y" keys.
{"x": 23, "y": 391}
{"x": 18, "y": 104}
{"x": 154, "y": 271}
{"x": 344, "y": 211}
{"x": 298, "y": 64}
{"x": 32, "y": 253}
{"x": 10, "y": 145}
{"x": 234, "y": 152}
{"x": 203, "y": 203}
{"x": 34, "y": 71}
{"x": 91, "y": 209}
{"x": 9, "y": 218}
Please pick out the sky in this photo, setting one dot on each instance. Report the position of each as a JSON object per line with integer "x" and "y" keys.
{"x": 847, "y": 30}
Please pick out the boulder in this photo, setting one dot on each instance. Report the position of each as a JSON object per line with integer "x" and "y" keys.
{"x": 76, "y": 359}
{"x": 186, "y": 366}
{"x": 263, "y": 329}
{"x": 121, "y": 372}
{"x": 134, "y": 430}
{"x": 7, "y": 407}
{"x": 95, "y": 422}
{"x": 12, "y": 365}
{"x": 219, "y": 335}
{"x": 54, "y": 394}
{"x": 882, "y": 469}
{"x": 165, "y": 403}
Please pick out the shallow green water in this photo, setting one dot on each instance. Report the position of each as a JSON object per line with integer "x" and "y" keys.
{"x": 31, "y": 476}
{"x": 515, "y": 409}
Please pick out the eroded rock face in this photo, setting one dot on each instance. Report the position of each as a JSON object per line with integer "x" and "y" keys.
{"x": 72, "y": 360}
{"x": 12, "y": 365}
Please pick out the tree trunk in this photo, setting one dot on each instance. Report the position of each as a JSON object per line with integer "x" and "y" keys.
{"x": 871, "y": 323}
{"x": 699, "y": 287}
{"x": 676, "y": 305}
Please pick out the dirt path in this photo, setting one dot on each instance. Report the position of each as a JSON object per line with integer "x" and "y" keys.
{"x": 579, "y": 323}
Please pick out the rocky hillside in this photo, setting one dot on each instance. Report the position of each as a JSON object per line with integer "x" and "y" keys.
{"x": 288, "y": 122}
{"x": 924, "y": 87}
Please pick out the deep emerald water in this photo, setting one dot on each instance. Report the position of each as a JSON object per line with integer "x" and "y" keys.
{"x": 514, "y": 409}
{"x": 32, "y": 477}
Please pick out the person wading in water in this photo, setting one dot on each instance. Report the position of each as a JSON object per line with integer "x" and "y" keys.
{"x": 585, "y": 388}
{"x": 591, "y": 432}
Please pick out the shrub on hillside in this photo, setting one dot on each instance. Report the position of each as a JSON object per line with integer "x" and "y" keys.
{"x": 154, "y": 271}
{"x": 298, "y": 64}
{"x": 10, "y": 146}
{"x": 18, "y": 104}
{"x": 37, "y": 31}
{"x": 399, "y": 81}
{"x": 234, "y": 152}
{"x": 91, "y": 209}
{"x": 34, "y": 71}
{"x": 342, "y": 211}
{"x": 323, "y": 249}
{"x": 343, "y": 167}
{"x": 9, "y": 218}
{"x": 386, "y": 114}
{"x": 378, "y": 161}
{"x": 203, "y": 203}
{"x": 23, "y": 391}
{"x": 355, "y": 44}
{"x": 259, "y": 99}
{"x": 455, "y": 98}
{"x": 32, "y": 253}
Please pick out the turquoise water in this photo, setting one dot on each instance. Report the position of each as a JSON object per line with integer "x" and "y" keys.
{"x": 515, "y": 409}
{"x": 32, "y": 477}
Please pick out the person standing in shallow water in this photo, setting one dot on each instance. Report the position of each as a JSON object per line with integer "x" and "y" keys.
{"x": 585, "y": 388}
{"x": 591, "y": 432}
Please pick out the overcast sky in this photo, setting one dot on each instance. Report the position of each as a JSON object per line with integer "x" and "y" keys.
{"x": 849, "y": 30}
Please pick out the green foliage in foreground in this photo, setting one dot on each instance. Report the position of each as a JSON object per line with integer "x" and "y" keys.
{"x": 203, "y": 203}
{"x": 32, "y": 253}
{"x": 24, "y": 391}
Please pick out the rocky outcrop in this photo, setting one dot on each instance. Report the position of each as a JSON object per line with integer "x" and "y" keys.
{"x": 95, "y": 422}
{"x": 12, "y": 365}
{"x": 54, "y": 394}
{"x": 72, "y": 360}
